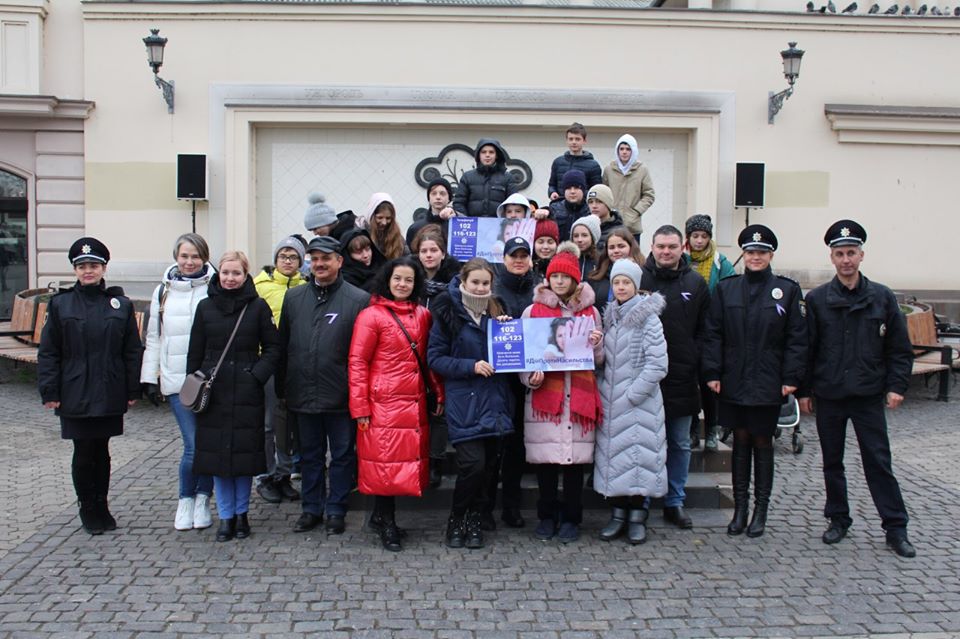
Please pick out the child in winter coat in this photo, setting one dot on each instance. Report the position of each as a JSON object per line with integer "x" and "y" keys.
{"x": 630, "y": 182}
{"x": 630, "y": 455}
{"x": 713, "y": 265}
{"x": 479, "y": 404}
{"x": 381, "y": 221}
{"x": 563, "y": 409}
{"x": 546, "y": 238}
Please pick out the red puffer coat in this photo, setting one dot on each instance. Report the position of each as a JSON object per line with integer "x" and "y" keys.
{"x": 386, "y": 385}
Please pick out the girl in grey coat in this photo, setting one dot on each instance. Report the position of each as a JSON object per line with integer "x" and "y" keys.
{"x": 631, "y": 453}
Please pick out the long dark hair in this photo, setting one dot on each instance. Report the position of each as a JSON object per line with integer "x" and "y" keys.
{"x": 381, "y": 284}
{"x": 604, "y": 264}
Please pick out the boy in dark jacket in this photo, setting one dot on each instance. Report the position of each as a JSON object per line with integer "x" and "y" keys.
{"x": 574, "y": 158}
{"x": 573, "y": 206}
{"x": 482, "y": 189}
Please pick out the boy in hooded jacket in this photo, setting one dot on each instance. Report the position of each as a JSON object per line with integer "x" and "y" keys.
{"x": 482, "y": 189}
{"x": 630, "y": 182}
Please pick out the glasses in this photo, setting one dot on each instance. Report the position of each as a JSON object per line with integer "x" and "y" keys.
{"x": 288, "y": 258}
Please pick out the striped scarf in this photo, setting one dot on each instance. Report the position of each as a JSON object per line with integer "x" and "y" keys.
{"x": 703, "y": 260}
{"x": 586, "y": 407}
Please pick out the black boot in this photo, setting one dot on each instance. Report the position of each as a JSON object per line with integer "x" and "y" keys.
{"x": 227, "y": 529}
{"x": 637, "y": 528}
{"x": 90, "y": 517}
{"x": 740, "y": 470}
{"x": 456, "y": 536}
{"x": 763, "y": 485}
{"x": 109, "y": 523}
{"x": 616, "y": 525}
{"x": 436, "y": 477}
{"x": 243, "y": 526}
{"x": 390, "y": 535}
{"x": 473, "y": 531}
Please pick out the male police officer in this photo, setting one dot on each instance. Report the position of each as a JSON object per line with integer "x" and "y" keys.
{"x": 860, "y": 359}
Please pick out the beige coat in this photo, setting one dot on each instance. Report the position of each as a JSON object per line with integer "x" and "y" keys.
{"x": 632, "y": 193}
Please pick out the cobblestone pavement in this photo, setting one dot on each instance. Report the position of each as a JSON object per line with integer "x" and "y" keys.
{"x": 148, "y": 580}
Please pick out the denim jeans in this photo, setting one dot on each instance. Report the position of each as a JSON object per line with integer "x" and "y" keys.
{"x": 678, "y": 459}
{"x": 190, "y": 485}
{"x": 317, "y": 430}
{"x": 233, "y": 495}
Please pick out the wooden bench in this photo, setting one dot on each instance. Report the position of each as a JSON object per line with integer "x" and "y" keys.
{"x": 930, "y": 355}
{"x": 20, "y": 337}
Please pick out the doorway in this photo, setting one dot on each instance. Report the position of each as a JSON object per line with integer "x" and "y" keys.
{"x": 13, "y": 240}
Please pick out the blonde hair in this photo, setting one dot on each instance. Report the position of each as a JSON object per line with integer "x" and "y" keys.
{"x": 235, "y": 256}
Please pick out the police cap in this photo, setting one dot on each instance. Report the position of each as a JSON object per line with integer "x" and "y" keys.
{"x": 757, "y": 237}
{"x": 845, "y": 233}
{"x": 88, "y": 249}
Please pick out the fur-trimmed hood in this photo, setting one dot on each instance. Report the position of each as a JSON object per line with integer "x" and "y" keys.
{"x": 583, "y": 297}
{"x": 635, "y": 312}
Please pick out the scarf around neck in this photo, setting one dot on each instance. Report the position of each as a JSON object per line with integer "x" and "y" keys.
{"x": 475, "y": 305}
{"x": 586, "y": 407}
{"x": 703, "y": 260}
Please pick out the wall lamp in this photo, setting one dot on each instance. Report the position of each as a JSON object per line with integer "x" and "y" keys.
{"x": 791, "y": 71}
{"x": 155, "y": 45}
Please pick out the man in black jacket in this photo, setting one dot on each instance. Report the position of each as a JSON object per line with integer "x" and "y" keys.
{"x": 316, "y": 324}
{"x": 481, "y": 190}
{"x": 860, "y": 359}
{"x": 688, "y": 300}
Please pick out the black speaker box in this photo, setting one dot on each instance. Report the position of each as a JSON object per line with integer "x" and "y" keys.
{"x": 191, "y": 177}
{"x": 749, "y": 185}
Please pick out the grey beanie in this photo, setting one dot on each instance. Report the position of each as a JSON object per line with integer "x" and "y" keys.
{"x": 319, "y": 214}
{"x": 289, "y": 242}
{"x": 626, "y": 266}
{"x": 592, "y": 224}
{"x": 699, "y": 222}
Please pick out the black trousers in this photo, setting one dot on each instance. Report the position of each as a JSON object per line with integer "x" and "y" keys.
{"x": 548, "y": 505}
{"x": 870, "y": 426}
{"x": 513, "y": 459}
{"x": 710, "y": 403}
{"x": 385, "y": 506}
{"x": 91, "y": 468}
{"x": 477, "y": 462}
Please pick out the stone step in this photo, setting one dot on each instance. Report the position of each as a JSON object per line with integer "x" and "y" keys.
{"x": 704, "y": 490}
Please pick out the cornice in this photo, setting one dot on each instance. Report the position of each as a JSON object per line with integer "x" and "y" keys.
{"x": 882, "y": 124}
{"x": 44, "y": 106}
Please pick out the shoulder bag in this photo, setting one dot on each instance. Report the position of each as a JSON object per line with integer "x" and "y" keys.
{"x": 198, "y": 386}
{"x": 431, "y": 396}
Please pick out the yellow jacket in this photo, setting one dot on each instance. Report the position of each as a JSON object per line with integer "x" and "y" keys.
{"x": 272, "y": 285}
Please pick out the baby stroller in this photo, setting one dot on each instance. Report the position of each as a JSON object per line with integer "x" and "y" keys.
{"x": 789, "y": 420}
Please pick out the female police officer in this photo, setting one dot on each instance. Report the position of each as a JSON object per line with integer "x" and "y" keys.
{"x": 754, "y": 355}
{"x": 88, "y": 370}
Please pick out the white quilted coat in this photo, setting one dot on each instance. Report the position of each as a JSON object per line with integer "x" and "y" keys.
{"x": 165, "y": 356}
{"x": 631, "y": 450}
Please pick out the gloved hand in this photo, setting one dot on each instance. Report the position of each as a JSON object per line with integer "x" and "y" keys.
{"x": 152, "y": 393}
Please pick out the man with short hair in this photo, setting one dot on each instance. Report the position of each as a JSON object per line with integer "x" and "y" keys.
{"x": 439, "y": 211}
{"x": 316, "y": 325}
{"x": 688, "y": 299}
{"x": 576, "y": 157}
{"x": 860, "y": 360}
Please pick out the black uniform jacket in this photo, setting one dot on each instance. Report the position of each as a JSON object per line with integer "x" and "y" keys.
{"x": 858, "y": 342}
{"x": 90, "y": 350}
{"x": 755, "y": 348}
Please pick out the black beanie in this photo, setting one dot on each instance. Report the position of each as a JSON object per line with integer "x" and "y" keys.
{"x": 440, "y": 182}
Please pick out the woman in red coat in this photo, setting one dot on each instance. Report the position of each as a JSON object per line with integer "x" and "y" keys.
{"x": 388, "y": 394}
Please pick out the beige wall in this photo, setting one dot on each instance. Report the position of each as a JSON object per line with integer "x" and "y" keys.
{"x": 896, "y": 191}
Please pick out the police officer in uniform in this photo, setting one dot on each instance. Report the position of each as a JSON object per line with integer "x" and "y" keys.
{"x": 88, "y": 371}
{"x": 754, "y": 355}
{"x": 860, "y": 359}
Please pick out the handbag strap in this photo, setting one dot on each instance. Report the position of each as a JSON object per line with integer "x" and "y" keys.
{"x": 213, "y": 373}
{"x": 413, "y": 347}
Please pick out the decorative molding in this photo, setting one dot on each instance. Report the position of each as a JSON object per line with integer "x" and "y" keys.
{"x": 879, "y": 124}
{"x": 447, "y": 167}
{"x": 44, "y": 106}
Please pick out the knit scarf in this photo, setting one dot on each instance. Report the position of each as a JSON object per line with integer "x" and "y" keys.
{"x": 703, "y": 260}
{"x": 475, "y": 305}
{"x": 586, "y": 407}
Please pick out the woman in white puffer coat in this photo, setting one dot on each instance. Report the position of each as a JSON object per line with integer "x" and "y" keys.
{"x": 172, "y": 308}
{"x": 631, "y": 452}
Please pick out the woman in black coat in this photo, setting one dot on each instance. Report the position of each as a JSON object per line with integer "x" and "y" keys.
{"x": 754, "y": 355}
{"x": 88, "y": 372}
{"x": 230, "y": 439}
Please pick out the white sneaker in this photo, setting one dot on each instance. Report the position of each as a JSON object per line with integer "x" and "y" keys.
{"x": 184, "y": 520}
{"x": 201, "y": 512}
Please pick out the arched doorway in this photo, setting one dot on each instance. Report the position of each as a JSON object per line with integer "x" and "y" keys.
{"x": 13, "y": 239}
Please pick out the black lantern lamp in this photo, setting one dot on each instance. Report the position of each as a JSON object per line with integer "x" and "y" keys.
{"x": 791, "y": 71}
{"x": 155, "y": 44}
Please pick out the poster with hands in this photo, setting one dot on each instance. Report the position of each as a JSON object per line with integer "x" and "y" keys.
{"x": 485, "y": 237}
{"x": 541, "y": 344}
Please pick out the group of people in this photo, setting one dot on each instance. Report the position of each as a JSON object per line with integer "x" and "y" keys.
{"x": 371, "y": 349}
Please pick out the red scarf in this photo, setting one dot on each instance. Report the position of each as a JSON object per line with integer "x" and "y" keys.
{"x": 586, "y": 407}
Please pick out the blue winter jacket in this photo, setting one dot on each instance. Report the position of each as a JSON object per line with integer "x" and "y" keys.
{"x": 476, "y": 407}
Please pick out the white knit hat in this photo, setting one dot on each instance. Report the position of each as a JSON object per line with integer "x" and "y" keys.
{"x": 626, "y": 266}
{"x": 591, "y": 223}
